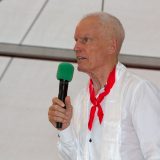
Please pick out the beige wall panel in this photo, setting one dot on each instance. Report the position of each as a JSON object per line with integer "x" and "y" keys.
{"x": 16, "y": 16}
{"x": 141, "y": 22}
{"x": 55, "y": 27}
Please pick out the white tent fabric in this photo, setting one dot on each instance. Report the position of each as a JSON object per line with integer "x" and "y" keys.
{"x": 16, "y": 16}
{"x": 141, "y": 23}
{"x": 3, "y": 64}
{"x": 51, "y": 23}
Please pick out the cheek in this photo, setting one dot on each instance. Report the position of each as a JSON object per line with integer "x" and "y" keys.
{"x": 98, "y": 57}
{"x": 94, "y": 53}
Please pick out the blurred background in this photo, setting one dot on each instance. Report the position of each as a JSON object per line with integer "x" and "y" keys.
{"x": 35, "y": 36}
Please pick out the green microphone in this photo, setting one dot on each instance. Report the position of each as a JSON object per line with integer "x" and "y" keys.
{"x": 65, "y": 75}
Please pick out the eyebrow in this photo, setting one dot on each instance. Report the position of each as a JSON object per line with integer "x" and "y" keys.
{"x": 81, "y": 37}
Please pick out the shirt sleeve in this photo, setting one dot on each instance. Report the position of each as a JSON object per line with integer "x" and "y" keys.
{"x": 66, "y": 144}
{"x": 146, "y": 119}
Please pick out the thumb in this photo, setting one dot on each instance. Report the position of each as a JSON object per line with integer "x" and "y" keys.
{"x": 68, "y": 102}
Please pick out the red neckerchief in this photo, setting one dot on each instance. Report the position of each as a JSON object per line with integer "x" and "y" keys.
{"x": 97, "y": 101}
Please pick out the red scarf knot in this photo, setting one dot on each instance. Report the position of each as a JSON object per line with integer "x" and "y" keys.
{"x": 96, "y": 102}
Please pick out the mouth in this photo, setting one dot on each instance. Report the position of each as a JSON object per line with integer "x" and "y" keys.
{"x": 80, "y": 58}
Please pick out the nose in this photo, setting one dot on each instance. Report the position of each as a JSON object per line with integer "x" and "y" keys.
{"x": 77, "y": 47}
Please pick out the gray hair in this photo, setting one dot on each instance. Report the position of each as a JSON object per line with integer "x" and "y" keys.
{"x": 110, "y": 24}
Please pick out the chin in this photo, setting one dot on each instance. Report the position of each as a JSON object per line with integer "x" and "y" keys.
{"x": 81, "y": 69}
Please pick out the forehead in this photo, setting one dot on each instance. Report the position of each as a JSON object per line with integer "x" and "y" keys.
{"x": 89, "y": 25}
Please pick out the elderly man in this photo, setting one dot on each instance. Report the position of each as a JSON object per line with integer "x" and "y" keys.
{"x": 117, "y": 115}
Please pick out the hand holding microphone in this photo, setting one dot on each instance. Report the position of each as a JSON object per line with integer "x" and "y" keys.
{"x": 60, "y": 112}
{"x": 57, "y": 112}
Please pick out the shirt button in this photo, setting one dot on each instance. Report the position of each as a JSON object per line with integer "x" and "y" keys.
{"x": 90, "y": 140}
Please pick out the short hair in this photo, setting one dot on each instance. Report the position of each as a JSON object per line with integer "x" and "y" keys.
{"x": 109, "y": 21}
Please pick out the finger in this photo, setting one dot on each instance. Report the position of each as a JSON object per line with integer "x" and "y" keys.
{"x": 53, "y": 120}
{"x": 57, "y": 108}
{"x": 57, "y": 101}
{"x": 57, "y": 114}
{"x": 60, "y": 112}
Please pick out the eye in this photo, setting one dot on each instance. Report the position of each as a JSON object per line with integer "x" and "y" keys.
{"x": 85, "y": 40}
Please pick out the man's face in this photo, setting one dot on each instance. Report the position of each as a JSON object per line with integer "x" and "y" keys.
{"x": 91, "y": 46}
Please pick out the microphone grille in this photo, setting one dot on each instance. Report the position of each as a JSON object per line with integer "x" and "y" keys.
{"x": 65, "y": 71}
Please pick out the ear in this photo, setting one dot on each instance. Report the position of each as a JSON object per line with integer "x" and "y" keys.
{"x": 113, "y": 46}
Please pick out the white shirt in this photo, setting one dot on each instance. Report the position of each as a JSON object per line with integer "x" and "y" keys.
{"x": 130, "y": 129}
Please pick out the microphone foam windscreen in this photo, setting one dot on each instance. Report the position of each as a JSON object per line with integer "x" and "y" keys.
{"x": 65, "y": 71}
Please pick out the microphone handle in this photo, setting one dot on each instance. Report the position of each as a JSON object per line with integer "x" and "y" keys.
{"x": 63, "y": 88}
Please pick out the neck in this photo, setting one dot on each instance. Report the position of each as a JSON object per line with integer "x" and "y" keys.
{"x": 100, "y": 77}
